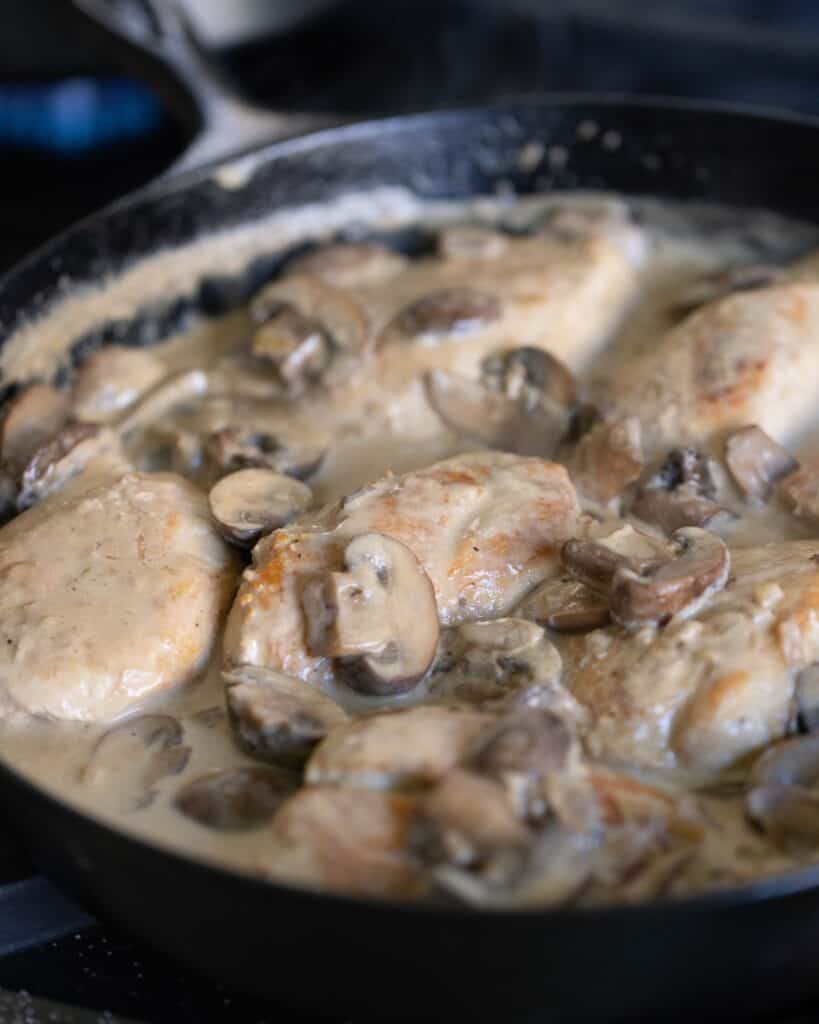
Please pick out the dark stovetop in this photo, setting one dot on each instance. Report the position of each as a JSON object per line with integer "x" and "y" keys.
{"x": 363, "y": 56}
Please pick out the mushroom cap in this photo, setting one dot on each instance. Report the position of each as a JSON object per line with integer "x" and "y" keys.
{"x": 28, "y": 421}
{"x": 674, "y": 588}
{"x": 277, "y": 717}
{"x": 239, "y": 798}
{"x": 756, "y": 462}
{"x": 129, "y": 760}
{"x": 361, "y": 615}
{"x": 252, "y": 502}
{"x": 493, "y": 418}
{"x": 111, "y": 379}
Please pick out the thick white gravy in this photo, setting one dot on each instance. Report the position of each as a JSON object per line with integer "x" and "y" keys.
{"x": 683, "y": 243}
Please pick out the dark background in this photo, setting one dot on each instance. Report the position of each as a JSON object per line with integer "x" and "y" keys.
{"x": 74, "y": 134}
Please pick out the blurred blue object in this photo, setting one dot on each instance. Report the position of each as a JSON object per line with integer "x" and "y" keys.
{"x": 76, "y": 115}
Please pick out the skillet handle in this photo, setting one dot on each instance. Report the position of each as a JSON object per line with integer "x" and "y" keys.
{"x": 154, "y": 40}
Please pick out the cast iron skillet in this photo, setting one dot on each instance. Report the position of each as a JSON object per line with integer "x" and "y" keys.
{"x": 737, "y": 951}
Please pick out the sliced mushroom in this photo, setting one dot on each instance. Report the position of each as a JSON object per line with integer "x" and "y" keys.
{"x": 395, "y": 748}
{"x": 681, "y": 493}
{"x": 277, "y": 717}
{"x": 529, "y": 375}
{"x": 448, "y": 313}
{"x": 345, "y": 840}
{"x": 509, "y": 650}
{"x": 609, "y": 458}
{"x": 487, "y": 661}
{"x": 239, "y": 798}
{"x": 531, "y": 743}
{"x": 566, "y": 606}
{"x": 232, "y": 449}
{"x": 791, "y": 762}
{"x": 156, "y": 403}
{"x": 468, "y": 821}
{"x": 594, "y": 562}
{"x": 130, "y": 759}
{"x": 721, "y": 283}
{"x": 253, "y": 502}
{"x": 800, "y": 492}
{"x": 494, "y": 419}
{"x": 297, "y": 346}
{"x": 63, "y": 458}
{"x": 471, "y": 242}
{"x": 350, "y": 264}
{"x": 111, "y": 379}
{"x": 676, "y": 588}
{"x": 326, "y": 330}
{"x": 757, "y": 462}
{"x": 361, "y": 616}
{"x": 807, "y": 698}
{"x": 29, "y": 420}
{"x": 785, "y": 813}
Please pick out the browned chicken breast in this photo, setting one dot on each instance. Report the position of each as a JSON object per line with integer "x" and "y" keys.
{"x": 113, "y": 590}
{"x": 484, "y": 527}
{"x": 703, "y": 692}
{"x": 752, "y": 357}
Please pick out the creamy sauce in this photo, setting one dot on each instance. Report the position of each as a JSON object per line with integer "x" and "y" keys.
{"x": 373, "y": 425}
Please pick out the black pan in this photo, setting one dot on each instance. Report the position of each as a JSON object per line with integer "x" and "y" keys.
{"x": 737, "y": 952}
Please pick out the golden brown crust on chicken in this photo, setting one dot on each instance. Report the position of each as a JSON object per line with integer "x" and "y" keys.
{"x": 702, "y": 693}
{"x": 752, "y": 357}
{"x": 485, "y": 528}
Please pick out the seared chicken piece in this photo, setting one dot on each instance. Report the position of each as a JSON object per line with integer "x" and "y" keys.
{"x": 702, "y": 693}
{"x": 752, "y": 357}
{"x": 418, "y": 745}
{"x": 349, "y": 840}
{"x": 112, "y": 591}
{"x": 484, "y": 527}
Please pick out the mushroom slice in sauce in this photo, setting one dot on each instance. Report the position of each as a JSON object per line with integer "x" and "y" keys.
{"x": 297, "y": 346}
{"x": 362, "y": 615}
{"x": 468, "y": 821}
{"x": 529, "y": 375}
{"x": 352, "y": 841}
{"x": 350, "y": 264}
{"x": 800, "y": 492}
{"x": 231, "y": 449}
{"x": 594, "y": 561}
{"x": 336, "y": 315}
{"x": 395, "y": 748}
{"x": 756, "y": 462}
{"x": 565, "y": 606}
{"x": 791, "y": 762}
{"x": 807, "y": 698}
{"x": 277, "y": 717}
{"x": 29, "y": 420}
{"x": 158, "y": 401}
{"x": 487, "y": 661}
{"x": 675, "y": 588}
{"x": 786, "y": 814}
{"x": 239, "y": 798}
{"x": 252, "y": 502}
{"x": 681, "y": 493}
{"x": 130, "y": 759}
{"x": 471, "y": 242}
{"x": 609, "y": 458}
{"x": 493, "y": 418}
{"x": 111, "y": 379}
{"x": 63, "y": 458}
{"x": 719, "y": 284}
{"x": 447, "y": 314}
